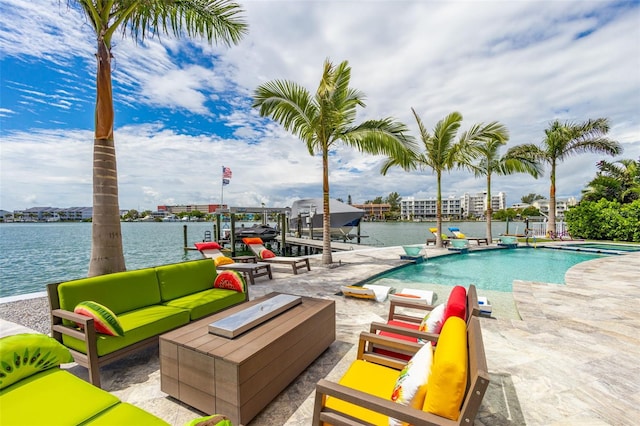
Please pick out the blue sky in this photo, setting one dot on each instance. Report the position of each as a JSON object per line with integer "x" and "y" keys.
{"x": 183, "y": 107}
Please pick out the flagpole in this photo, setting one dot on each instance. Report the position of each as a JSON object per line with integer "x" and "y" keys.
{"x": 222, "y": 189}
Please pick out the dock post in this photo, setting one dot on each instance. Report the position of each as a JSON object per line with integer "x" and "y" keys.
{"x": 218, "y": 227}
{"x": 184, "y": 237}
{"x": 358, "y": 231}
{"x": 283, "y": 232}
{"x": 232, "y": 233}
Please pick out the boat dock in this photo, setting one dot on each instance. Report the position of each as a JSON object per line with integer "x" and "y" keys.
{"x": 306, "y": 246}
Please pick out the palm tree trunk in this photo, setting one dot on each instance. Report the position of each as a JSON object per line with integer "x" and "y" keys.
{"x": 326, "y": 214}
{"x": 107, "y": 255}
{"x": 489, "y": 209}
{"x": 439, "y": 213}
{"x": 551, "y": 224}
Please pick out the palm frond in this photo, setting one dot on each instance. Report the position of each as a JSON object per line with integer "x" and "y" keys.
{"x": 385, "y": 136}
{"x": 218, "y": 21}
{"x": 289, "y": 104}
{"x": 599, "y": 145}
{"x": 528, "y": 151}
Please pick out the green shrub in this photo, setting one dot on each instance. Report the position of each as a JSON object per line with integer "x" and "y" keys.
{"x": 605, "y": 220}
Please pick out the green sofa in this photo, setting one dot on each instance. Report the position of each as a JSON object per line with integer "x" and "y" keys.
{"x": 48, "y": 395}
{"x": 147, "y": 303}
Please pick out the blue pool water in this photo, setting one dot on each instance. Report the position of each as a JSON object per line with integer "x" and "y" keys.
{"x": 602, "y": 247}
{"x": 488, "y": 269}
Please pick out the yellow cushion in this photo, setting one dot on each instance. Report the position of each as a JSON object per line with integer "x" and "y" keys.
{"x": 367, "y": 377}
{"x": 448, "y": 380}
{"x": 222, "y": 260}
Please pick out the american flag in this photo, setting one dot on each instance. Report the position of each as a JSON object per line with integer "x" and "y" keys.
{"x": 226, "y": 172}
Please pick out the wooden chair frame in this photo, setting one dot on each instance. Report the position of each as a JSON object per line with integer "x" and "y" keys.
{"x": 295, "y": 262}
{"x": 477, "y": 384}
{"x": 473, "y": 310}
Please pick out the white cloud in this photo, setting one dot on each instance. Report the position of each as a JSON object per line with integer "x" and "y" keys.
{"x": 522, "y": 63}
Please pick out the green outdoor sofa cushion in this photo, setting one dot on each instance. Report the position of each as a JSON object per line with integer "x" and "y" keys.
{"x": 125, "y": 414}
{"x": 208, "y": 302}
{"x": 137, "y": 325}
{"x": 53, "y": 397}
{"x": 120, "y": 292}
{"x": 181, "y": 279}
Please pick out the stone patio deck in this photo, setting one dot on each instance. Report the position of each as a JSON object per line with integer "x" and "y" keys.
{"x": 572, "y": 358}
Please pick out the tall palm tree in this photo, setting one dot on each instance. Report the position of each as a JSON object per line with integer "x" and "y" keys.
{"x": 563, "y": 140}
{"x": 615, "y": 181}
{"x": 325, "y": 119}
{"x": 490, "y": 162}
{"x": 442, "y": 152}
{"x": 217, "y": 20}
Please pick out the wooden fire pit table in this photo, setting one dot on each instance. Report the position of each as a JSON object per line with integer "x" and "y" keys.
{"x": 239, "y": 376}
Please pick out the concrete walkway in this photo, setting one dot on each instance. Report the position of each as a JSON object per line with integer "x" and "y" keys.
{"x": 572, "y": 358}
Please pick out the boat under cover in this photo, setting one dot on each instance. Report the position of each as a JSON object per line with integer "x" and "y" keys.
{"x": 265, "y": 232}
{"x": 307, "y": 214}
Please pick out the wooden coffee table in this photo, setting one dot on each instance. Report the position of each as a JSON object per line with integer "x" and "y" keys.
{"x": 238, "y": 377}
{"x": 251, "y": 271}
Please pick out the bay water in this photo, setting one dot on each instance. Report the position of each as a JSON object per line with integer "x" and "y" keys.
{"x": 35, "y": 254}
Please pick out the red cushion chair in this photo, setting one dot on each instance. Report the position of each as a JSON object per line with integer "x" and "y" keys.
{"x": 456, "y": 306}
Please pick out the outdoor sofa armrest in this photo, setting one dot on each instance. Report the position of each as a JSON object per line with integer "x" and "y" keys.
{"x": 387, "y": 407}
{"x": 88, "y": 335}
{"x": 370, "y": 343}
{"x": 88, "y": 331}
{"x": 379, "y": 326}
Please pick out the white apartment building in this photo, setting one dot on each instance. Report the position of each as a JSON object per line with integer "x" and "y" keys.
{"x": 452, "y": 207}
{"x": 415, "y": 209}
{"x": 562, "y": 205}
{"x": 476, "y": 204}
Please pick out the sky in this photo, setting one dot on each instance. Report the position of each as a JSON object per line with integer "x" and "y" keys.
{"x": 183, "y": 107}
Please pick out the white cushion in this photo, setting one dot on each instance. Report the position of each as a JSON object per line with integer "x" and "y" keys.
{"x": 433, "y": 321}
{"x": 411, "y": 386}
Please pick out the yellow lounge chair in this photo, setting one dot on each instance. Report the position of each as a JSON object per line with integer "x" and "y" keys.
{"x": 434, "y": 231}
{"x": 457, "y": 382}
{"x": 459, "y": 235}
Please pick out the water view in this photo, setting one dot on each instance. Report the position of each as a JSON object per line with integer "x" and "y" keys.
{"x": 33, "y": 255}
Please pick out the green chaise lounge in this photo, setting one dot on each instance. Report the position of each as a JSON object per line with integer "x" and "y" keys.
{"x": 48, "y": 395}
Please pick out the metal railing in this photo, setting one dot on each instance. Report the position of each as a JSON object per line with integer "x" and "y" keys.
{"x": 539, "y": 230}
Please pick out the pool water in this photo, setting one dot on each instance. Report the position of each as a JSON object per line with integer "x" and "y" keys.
{"x": 492, "y": 270}
{"x": 603, "y": 246}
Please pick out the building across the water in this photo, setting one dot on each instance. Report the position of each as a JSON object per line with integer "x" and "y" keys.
{"x": 467, "y": 205}
{"x": 374, "y": 211}
{"x": 52, "y": 214}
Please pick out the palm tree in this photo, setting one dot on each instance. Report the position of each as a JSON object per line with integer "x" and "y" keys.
{"x": 563, "y": 140}
{"x": 394, "y": 199}
{"x": 325, "y": 119}
{"x": 490, "y": 162}
{"x": 217, "y": 20}
{"x": 531, "y": 197}
{"x": 442, "y": 153}
{"x": 616, "y": 181}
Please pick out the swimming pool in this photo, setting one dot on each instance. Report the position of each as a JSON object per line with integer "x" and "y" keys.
{"x": 600, "y": 247}
{"x": 488, "y": 269}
